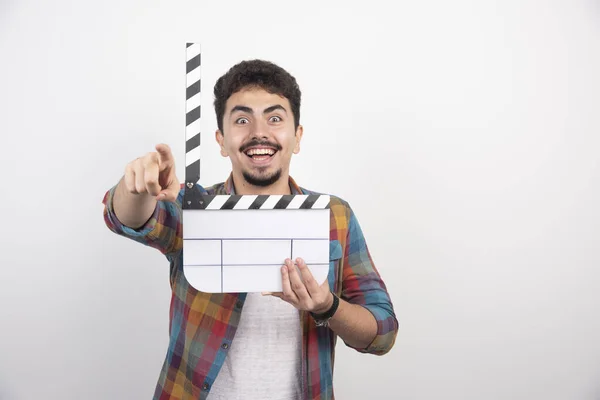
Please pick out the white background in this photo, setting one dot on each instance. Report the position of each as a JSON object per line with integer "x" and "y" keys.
{"x": 464, "y": 134}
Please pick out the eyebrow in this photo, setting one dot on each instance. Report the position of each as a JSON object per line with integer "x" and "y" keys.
{"x": 250, "y": 111}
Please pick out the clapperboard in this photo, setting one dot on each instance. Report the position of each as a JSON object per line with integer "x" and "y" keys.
{"x": 239, "y": 243}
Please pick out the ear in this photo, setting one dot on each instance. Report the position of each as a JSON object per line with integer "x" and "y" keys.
{"x": 299, "y": 133}
{"x": 220, "y": 139}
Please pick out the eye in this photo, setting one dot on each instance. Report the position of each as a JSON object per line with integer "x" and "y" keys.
{"x": 275, "y": 119}
{"x": 242, "y": 120}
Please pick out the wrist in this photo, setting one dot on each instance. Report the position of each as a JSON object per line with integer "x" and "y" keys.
{"x": 322, "y": 319}
{"x": 325, "y": 307}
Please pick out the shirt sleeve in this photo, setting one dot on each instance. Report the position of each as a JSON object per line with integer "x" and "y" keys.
{"x": 362, "y": 285}
{"x": 163, "y": 231}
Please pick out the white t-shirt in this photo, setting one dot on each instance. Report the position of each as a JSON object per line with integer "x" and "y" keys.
{"x": 264, "y": 359}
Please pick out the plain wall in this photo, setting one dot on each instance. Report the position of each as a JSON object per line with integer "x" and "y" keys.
{"x": 465, "y": 135}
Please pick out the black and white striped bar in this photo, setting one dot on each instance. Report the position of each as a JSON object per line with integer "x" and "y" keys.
{"x": 263, "y": 202}
{"x": 192, "y": 120}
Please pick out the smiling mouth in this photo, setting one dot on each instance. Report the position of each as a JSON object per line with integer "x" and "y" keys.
{"x": 260, "y": 154}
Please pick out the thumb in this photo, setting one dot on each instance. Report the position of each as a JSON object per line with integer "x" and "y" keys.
{"x": 171, "y": 192}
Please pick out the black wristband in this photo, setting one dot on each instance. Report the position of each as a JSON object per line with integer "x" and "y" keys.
{"x": 329, "y": 313}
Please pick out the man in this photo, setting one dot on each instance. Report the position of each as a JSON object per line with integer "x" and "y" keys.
{"x": 250, "y": 346}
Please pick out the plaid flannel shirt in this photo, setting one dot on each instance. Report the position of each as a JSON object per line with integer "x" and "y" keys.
{"x": 202, "y": 326}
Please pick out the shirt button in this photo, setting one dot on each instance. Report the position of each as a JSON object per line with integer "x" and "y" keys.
{"x": 205, "y": 386}
{"x": 225, "y": 346}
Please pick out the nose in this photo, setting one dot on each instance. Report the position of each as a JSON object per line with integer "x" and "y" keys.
{"x": 259, "y": 129}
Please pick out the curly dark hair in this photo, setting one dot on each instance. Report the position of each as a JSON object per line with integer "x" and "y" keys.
{"x": 261, "y": 74}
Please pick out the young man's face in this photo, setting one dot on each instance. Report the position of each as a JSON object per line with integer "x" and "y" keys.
{"x": 259, "y": 136}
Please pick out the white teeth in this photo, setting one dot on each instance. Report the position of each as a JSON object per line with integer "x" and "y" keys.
{"x": 254, "y": 152}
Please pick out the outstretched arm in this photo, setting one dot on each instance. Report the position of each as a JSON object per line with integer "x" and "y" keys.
{"x": 144, "y": 206}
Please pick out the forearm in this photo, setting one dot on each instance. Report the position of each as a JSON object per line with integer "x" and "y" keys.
{"x": 354, "y": 324}
{"x": 132, "y": 210}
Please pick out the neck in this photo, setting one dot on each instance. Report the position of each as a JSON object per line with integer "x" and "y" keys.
{"x": 282, "y": 186}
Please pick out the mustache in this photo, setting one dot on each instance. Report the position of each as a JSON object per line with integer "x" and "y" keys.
{"x": 257, "y": 142}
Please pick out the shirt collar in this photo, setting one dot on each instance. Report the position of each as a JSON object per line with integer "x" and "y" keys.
{"x": 229, "y": 188}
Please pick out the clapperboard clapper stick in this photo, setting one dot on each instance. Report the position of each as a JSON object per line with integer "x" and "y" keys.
{"x": 236, "y": 243}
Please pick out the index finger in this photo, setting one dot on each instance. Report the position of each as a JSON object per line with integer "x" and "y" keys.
{"x": 309, "y": 281}
{"x": 165, "y": 156}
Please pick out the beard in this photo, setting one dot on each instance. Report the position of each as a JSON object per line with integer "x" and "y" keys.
{"x": 262, "y": 181}
{"x": 259, "y": 179}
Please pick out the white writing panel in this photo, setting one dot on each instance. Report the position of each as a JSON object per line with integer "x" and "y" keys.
{"x": 311, "y": 251}
{"x": 204, "y": 278}
{"x": 256, "y": 224}
{"x": 257, "y": 251}
{"x": 202, "y": 252}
